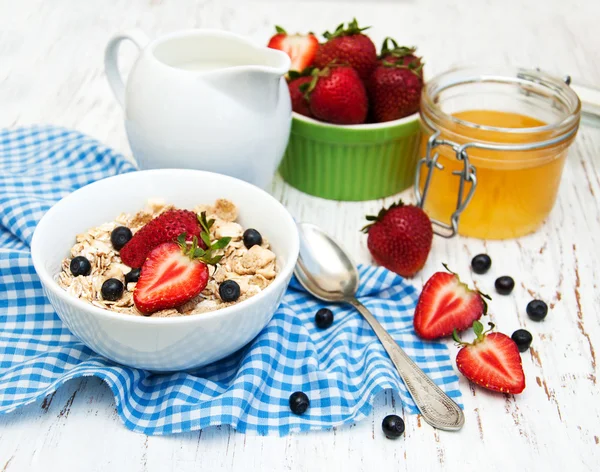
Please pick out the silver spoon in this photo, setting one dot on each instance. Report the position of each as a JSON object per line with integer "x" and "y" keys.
{"x": 326, "y": 271}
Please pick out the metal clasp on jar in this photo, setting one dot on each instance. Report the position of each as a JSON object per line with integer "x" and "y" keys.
{"x": 468, "y": 175}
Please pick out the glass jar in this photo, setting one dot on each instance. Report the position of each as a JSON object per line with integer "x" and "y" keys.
{"x": 495, "y": 143}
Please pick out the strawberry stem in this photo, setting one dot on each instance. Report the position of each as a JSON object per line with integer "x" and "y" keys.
{"x": 395, "y": 50}
{"x": 480, "y": 334}
{"x": 208, "y": 255}
{"x": 380, "y": 215}
{"x": 457, "y": 339}
{"x": 448, "y": 269}
{"x": 340, "y": 31}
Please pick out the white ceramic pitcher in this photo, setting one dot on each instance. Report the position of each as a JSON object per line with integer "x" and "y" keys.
{"x": 204, "y": 99}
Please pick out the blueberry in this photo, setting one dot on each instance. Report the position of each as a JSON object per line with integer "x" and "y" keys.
{"x": 120, "y": 236}
{"x": 112, "y": 289}
{"x": 393, "y": 426}
{"x": 324, "y": 318}
{"x": 537, "y": 310}
{"x": 481, "y": 263}
{"x": 80, "y": 266}
{"x": 252, "y": 238}
{"x": 229, "y": 291}
{"x": 504, "y": 285}
{"x": 132, "y": 276}
{"x": 299, "y": 402}
{"x": 523, "y": 339}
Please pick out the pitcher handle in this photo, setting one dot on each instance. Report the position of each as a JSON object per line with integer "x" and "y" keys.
{"x": 111, "y": 62}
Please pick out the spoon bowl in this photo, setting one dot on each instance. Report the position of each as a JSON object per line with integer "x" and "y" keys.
{"x": 323, "y": 268}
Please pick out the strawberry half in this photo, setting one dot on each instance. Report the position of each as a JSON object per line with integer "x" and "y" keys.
{"x": 491, "y": 361}
{"x": 302, "y": 48}
{"x": 164, "y": 228}
{"x": 168, "y": 279}
{"x": 446, "y": 304}
{"x": 174, "y": 273}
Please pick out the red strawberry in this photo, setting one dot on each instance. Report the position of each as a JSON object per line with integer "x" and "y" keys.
{"x": 165, "y": 227}
{"x": 446, "y": 304}
{"x": 168, "y": 279}
{"x": 337, "y": 95}
{"x": 492, "y": 361}
{"x": 398, "y": 54}
{"x": 348, "y": 46}
{"x": 174, "y": 273}
{"x": 299, "y": 101}
{"x": 395, "y": 85}
{"x": 301, "y": 48}
{"x": 400, "y": 238}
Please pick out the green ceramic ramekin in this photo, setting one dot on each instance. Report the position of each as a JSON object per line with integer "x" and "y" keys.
{"x": 355, "y": 162}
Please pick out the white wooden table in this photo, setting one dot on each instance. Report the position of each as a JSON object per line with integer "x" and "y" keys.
{"x": 51, "y": 71}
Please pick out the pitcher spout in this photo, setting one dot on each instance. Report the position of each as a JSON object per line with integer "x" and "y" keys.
{"x": 255, "y": 85}
{"x": 275, "y": 62}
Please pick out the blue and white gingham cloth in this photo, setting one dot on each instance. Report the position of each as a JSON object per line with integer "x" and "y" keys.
{"x": 341, "y": 369}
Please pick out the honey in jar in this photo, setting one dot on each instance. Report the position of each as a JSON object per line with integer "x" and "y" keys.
{"x": 505, "y": 135}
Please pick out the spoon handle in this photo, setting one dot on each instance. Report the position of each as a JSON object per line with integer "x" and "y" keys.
{"x": 437, "y": 408}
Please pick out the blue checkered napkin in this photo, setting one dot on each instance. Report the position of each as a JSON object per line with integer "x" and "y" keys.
{"x": 341, "y": 369}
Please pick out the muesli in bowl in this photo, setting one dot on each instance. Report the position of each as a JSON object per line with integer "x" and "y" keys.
{"x": 163, "y": 261}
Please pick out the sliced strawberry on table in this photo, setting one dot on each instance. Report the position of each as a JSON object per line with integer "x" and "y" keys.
{"x": 446, "y": 304}
{"x": 164, "y": 228}
{"x": 176, "y": 272}
{"x": 301, "y": 48}
{"x": 491, "y": 361}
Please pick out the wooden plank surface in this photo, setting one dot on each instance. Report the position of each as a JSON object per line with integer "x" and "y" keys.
{"x": 51, "y": 71}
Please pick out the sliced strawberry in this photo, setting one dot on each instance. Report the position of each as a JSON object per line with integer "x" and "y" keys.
{"x": 492, "y": 361}
{"x": 164, "y": 228}
{"x": 168, "y": 279}
{"x": 302, "y": 48}
{"x": 446, "y": 304}
{"x": 174, "y": 273}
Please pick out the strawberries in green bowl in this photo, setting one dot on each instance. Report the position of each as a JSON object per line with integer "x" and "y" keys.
{"x": 355, "y": 128}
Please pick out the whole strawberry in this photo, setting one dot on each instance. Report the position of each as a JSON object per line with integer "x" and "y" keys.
{"x": 164, "y": 228}
{"x": 337, "y": 95}
{"x": 298, "y": 93}
{"x": 395, "y": 85}
{"x": 400, "y": 238}
{"x": 348, "y": 46}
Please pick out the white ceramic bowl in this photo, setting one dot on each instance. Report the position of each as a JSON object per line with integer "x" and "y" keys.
{"x": 163, "y": 344}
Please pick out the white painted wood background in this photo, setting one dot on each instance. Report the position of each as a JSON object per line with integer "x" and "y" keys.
{"x": 51, "y": 71}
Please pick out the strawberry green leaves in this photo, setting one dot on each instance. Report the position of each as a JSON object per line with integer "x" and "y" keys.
{"x": 208, "y": 255}
{"x": 352, "y": 29}
{"x": 479, "y": 334}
